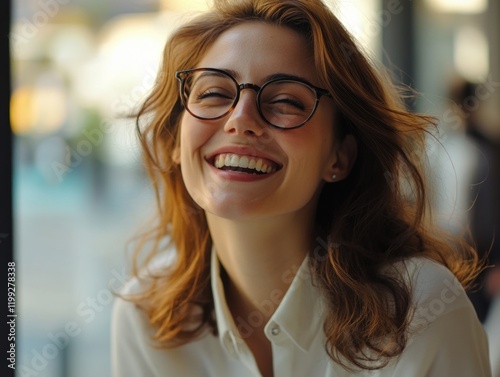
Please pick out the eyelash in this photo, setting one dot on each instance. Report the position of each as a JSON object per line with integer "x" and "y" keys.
{"x": 290, "y": 102}
{"x": 209, "y": 92}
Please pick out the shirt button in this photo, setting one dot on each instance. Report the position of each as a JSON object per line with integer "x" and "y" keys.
{"x": 275, "y": 330}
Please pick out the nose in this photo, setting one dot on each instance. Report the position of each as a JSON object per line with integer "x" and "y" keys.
{"x": 245, "y": 118}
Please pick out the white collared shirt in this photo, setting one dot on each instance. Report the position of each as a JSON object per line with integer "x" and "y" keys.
{"x": 447, "y": 340}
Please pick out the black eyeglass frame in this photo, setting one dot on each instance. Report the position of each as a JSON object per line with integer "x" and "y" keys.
{"x": 183, "y": 75}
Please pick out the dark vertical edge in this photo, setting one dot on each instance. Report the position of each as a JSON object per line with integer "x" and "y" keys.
{"x": 6, "y": 210}
{"x": 493, "y": 30}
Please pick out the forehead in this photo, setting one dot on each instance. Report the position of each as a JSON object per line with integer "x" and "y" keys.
{"x": 256, "y": 49}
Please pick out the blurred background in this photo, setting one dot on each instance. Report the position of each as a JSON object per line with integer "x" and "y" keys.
{"x": 80, "y": 193}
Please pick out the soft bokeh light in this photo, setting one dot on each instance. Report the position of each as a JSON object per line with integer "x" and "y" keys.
{"x": 185, "y": 5}
{"x": 30, "y": 37}
{"x": 21, "y": 115}
{"x": 364, "y": 20}
{"x": 120, "y": 75}
{"x": 71, "y": 45}
{"x": 471, "y": 54}
{"x": 459, "y": 6}
{"x": 123, "y": 69}
{"x": 40, "y": 109}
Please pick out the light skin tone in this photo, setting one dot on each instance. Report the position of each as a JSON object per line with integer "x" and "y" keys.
{"x": 262, "y": 226}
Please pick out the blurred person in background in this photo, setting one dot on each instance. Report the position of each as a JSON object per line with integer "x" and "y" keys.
{"x": 292, "y": 204}
{"x": 483, "y": 191}
{"x": 483, "y": 203}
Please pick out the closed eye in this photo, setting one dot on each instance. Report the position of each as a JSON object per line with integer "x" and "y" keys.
{"x": 288, "y": 101}
{"x": 214, "y": 94}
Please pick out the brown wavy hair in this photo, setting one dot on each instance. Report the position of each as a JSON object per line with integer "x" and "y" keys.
{"x": 378, "y": 215}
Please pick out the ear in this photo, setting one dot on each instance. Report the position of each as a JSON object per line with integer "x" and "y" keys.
{"x": 343, "y": 158}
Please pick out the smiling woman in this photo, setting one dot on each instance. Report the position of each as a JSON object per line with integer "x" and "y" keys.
{"x": 293, "y": 202}
{"x": 236, "y": 123}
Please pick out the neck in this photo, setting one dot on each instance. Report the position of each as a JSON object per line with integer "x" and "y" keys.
{"x": 259, "y": 259}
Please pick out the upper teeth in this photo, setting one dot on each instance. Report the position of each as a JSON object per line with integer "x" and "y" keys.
{"x": 248, "y": 162}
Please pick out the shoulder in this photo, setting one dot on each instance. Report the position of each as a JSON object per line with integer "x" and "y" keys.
{"x": 434, "y": 289}
{"x": 136, "y": 285}
{"x": 133, "y": 349}
{"x": 434, "y": 285}
{"x": 159, "y": 264}
{"x": 444, "y": 325}
{"x": 123, "y": 307}
{"x": 131, "y": 332}
{"x": 126, "y": 314}
{"x": 128, "y": 320}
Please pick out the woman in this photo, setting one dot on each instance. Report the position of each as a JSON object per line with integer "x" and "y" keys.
{"x": 292, "y": 201}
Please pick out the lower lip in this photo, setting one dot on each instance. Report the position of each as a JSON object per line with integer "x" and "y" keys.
{"x": 239, "y": 176}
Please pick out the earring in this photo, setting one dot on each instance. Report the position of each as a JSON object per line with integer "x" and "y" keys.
{"x": 334, "y": 177}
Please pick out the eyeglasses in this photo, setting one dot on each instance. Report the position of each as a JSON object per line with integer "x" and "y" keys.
{"x": 283, "y": 102}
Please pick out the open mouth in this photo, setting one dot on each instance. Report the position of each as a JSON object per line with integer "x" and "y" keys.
{"x": 244, "y": 164}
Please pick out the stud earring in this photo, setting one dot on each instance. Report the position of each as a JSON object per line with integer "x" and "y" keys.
{"x": 334, "y": 177}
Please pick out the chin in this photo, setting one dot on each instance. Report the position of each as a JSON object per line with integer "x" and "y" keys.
{"x": 234, "y": 211}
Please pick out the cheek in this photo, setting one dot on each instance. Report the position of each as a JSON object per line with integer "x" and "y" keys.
{"x": 189, "y": 143}
{"x": 192, "y": 137}
{"x": 311, "y": 149}
{"x": 190, "y": 167}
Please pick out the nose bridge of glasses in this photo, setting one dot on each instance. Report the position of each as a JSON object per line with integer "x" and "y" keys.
{"x": 247, "y": 125}
{"x": 249, "y": 85}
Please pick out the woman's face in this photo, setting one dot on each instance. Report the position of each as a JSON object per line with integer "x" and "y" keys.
{"x": 296, "y": 162}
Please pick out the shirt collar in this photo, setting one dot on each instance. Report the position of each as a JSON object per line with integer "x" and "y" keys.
{"x": 300, "y": 315}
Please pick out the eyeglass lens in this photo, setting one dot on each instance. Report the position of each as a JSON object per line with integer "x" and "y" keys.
{"x": 283, "y": 103}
